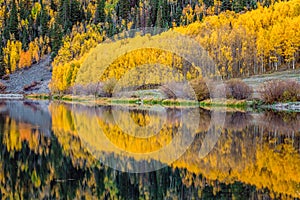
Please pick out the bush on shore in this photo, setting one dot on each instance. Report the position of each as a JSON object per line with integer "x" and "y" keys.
{"x": 30, "y": 86}
{"x": 177, "y": 90}
{"x": 109, "y": 87}
{"x": 200, "y": 88}
{"x": 280, "y": 91}
{"x": 95, "y": 89}
{"x": 237, "y": 89}
{"x": 100, "y": 89}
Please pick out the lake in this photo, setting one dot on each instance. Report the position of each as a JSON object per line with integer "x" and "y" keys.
{"x": 58, "y": 150}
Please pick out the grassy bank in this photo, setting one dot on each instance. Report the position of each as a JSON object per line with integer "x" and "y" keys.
{"x": 227, "y": 104}
{"x": 138, "y": 101}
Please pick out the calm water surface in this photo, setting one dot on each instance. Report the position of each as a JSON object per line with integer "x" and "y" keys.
{"x": 55, "y": 150}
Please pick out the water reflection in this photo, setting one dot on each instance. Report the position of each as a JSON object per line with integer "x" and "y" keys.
{"x": 43, "y": 156}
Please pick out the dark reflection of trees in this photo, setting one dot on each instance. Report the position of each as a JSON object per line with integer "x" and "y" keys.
{"x": 60, "y": 168}
{"x": 237, "y": 120}
{"x": 279, "y": 127}
{"x": 205, "y": 119}
{"x": 61, "y": 179}
{"x": 34, "y": 175}
{"x": 280, "y": 121}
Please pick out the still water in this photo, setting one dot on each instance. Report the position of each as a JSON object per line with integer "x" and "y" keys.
{"x": 52, "y": 150}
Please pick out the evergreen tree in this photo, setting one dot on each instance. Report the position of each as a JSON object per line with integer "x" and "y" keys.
{"x": 160, "y": 18}
{"x": 89, "y": 15}
{"x": 31, "y": 30}
{"x": 13, "y": 20}
{"x": 162, "y": 14}
{"x": 111, "y": 29}
{"x": 124, "y": 10}
{"x": 238, "y": 5}
{"x": 44, "y": 19}
{"x": 100, "y": 13}
{"x": 208, "y": 3}
{"x": 53, "y": 6}
{"x": 153, "y": 12}
{"x": 226, "y": 5}
{"x": 6, "y": 32}
{"x": 25, "y": 10}
{"x": 75, "y": 14}
{"x": 64, "y": 15}
{"x": 166, "y": 10}
{"x": 55, "y": 38}
{"x": 253, "y": 4}
{"x": 2, "y": 68}
{"x": 25, "y": 39}
{"x": 137, "y": 20}
{"x": 178, "y": 14}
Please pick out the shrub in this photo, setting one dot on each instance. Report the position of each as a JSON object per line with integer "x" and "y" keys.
{"x": 181, "y": 90}
{"x": 2, "y": 87}
{"x": 77, "y": 89}
{"x": 200, "y": 88}
{"x": 89, "y": 89}
{"x": 30, "y": 86}
{"x": 95, "y": 89}
{"x": 177, "y": 90}
{"x": 280, "y": 91}
{"x": 108, "y": 86}
{"x": 237, "y": 89}
{"x": 168, "y": 92}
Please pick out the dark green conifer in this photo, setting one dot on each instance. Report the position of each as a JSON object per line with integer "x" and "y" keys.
{"x": 13, "y": 21}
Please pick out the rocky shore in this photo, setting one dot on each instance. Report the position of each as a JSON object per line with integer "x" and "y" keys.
{"x": 33, "y": 80}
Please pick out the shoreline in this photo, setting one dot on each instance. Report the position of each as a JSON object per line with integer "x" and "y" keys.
{"x": 244, "y": 105}
{"x": 139, "y": 101}
{"x": 215, "y": 103}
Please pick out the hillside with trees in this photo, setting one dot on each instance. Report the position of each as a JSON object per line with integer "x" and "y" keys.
{"x": 244, "y": 37}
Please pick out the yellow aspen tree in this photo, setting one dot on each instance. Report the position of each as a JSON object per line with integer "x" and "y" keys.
{"x": 12, "y": 55}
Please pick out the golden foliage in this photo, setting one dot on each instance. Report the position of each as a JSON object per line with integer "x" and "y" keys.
{"x": 25, "y": 59}
{"x": 64, "y": 128}
{"x": 143, "y": 60}
{"x": 12, "y": 55}
{"x": 15, "y": 57}
{"x": 18, "y": 132}
{"x": 71, "y": 55}
{"x": 254, "y": 42}
{"x": 238, "y": 155}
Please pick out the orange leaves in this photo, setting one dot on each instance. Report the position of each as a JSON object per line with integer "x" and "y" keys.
{"x": 16, "y": 58}
{"x": 25, "y": 59}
